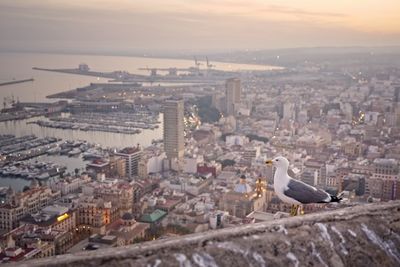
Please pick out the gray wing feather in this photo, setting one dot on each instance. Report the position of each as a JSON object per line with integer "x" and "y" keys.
{"x": 305, "y": 193}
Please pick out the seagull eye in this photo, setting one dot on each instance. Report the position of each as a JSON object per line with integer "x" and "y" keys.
{"x": 276, "y": 160}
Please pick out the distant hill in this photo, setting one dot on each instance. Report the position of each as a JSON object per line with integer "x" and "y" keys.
{"x": 333, "y": 55}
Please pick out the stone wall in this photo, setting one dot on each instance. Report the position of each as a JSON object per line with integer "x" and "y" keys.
{"x": 364, "y": 235}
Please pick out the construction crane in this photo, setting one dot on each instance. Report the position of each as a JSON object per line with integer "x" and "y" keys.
{"x": 9, "y": 100}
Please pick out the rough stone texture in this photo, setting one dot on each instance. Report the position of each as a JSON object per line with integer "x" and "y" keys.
{"x": 365, "y": 235}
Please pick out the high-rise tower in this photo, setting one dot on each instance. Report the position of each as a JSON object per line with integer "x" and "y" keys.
{"x": 396, "y": 98}
{"x": 233, "y": 94}
{"x": 173, "y": 129}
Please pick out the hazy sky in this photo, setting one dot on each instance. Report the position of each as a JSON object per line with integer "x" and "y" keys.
{"x": 135, "y": 25}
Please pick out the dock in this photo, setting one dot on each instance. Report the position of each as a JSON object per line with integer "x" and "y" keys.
{"x": 126, "y": 77}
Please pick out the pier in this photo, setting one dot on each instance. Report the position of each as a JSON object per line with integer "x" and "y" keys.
{"x": 194, "y": 76}
{"x": 108, "y": 75}
{"x": 16, "y": 81}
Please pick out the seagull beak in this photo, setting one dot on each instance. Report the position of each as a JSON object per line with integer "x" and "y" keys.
{"x": 269, "y": 162}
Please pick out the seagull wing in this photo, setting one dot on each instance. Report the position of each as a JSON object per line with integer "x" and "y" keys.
{"x": 305, "y": 193}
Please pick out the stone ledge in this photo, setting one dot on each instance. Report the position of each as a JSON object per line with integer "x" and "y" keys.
{"x": 364, "y": 235}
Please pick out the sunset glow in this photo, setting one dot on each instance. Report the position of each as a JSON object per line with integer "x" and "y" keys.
{"x": 208, "y": 24}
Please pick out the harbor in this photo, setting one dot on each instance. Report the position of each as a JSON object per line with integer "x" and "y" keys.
{"x": 106, "y": 108}
{"x": 171, "y": 74}
{"x": 15, "y": 110}
{"x": 19, "y": 66}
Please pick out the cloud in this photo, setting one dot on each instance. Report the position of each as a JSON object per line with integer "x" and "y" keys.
{"x": 301, "y": 12}
{"x": 178, "y": 24}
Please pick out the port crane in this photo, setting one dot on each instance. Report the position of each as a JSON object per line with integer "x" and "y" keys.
{"x": 209, "y": 65}
{"x": 173, "y": 71}
{"x": 153, "y": 71}
{"x": 196, "y": 63}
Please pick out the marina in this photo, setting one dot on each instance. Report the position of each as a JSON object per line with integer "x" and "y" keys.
{"x": 65, "y": 163}
{"x": 28, "y": 157}
{"x": 86, "y": 127}
{"x": 105, "y": 139}
{"x": 13, "y": 149}
{"x": 37, "y": 170}
{"x": 116, "y": 122}
{"x": 21, "y": 148}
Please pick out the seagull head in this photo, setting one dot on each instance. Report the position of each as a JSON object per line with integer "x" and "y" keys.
{"x": 279, "y": 163}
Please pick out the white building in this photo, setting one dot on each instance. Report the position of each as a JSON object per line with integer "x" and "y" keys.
{"x": 288, "y": 111}
{"x": 151, "y": 164}
{"x": 70, "y": 184}
{"x": 132, "y": 156}
{"x": 251, "y": 153}
{"x": 190, "y": 164}
{"x": 232, "y": 140}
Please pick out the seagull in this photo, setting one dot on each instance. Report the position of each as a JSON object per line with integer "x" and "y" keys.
{"x": 293, "y": 191}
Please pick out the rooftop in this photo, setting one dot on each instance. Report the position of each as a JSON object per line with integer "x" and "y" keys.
{"x": 385, "y": 161}
{"x": 98, "y": 163}
{"x": 153, "y": 217}
{"x": 128, "y": 150}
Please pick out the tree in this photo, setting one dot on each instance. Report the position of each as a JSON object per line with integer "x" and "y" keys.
{"x": 206, "y": 111}
{"x": 177, "y": 229}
